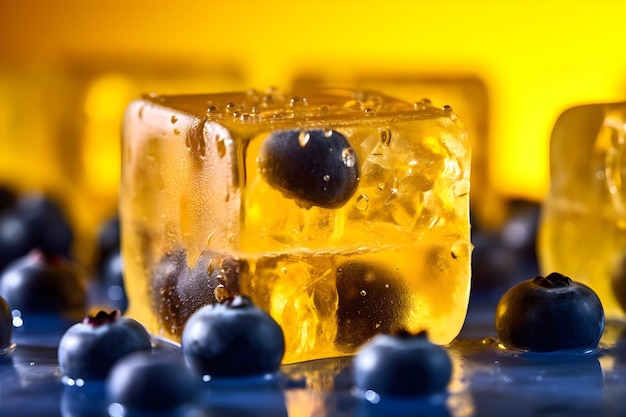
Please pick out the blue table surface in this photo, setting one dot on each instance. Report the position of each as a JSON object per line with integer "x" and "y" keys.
{"x": 486, "y": 381}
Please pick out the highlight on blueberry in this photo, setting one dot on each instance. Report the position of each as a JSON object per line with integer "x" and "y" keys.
{"x": 145, "y": 381}
{"x": 401, "y": 365}
{"x": 89, "y": 349}
{"x": 548, "y": 314}
{"x": 315, "y": 167}
{"x": 232, "y": 339}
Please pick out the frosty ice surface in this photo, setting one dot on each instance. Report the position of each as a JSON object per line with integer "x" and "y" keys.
{"x": 341, "y": 213}
{"x": 583, "y": 226}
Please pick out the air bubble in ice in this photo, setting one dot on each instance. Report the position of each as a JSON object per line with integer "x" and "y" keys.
{"x": 385, "y": 136}
{"x": 461, "y": 187}
{"x": 461, "y": 249}
{"x": 362, "y": 202}
{"x": 363, "y": 293}
{"x": 174, "y": 119}
{"x": 326, "y": 177}
{"x": 177, "y": 132}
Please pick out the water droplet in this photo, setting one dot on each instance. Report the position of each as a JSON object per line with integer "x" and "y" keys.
{"x": 177, "y": 132}
{"x": 174, "y": 119}
{"x": 362, "y": 202}
{"x": 303, "y": 138}
{"x": 363, "y": 293}
{"x": 246, "y": 117}
{"x": 461, "y": 249}
{"x": 297, "y": 101}
{"x": 461, "y": 187}
{"x": 348, "y": 156}
{"x": 232, "y": 108}
{"x": 354, "y": 105}
{"x": 328, "y": 133}
{"x": 385, "y": 136}
{"x": 211, "y": 110}
{"x": 422, "y": 104}
{"x": 369, "y": 112}
{"x": 283, "y": 270}
{"x": 278, "y": 116}
{"x": 323, "y": 108}
{"x": 326, "y": 177}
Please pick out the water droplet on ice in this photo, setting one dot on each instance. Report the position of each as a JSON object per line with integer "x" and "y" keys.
{"x": 363, "y": 293}
{"x": 348, "y": 156}
{"x": 326, "y": 177}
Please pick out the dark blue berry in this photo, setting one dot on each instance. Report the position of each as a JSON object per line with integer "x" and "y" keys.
{"x": 89, "y": 349}
{"x": 43, "y": 284}
{"x": 549, "y": 314}
{"x": 234, "y": 338}
{"x": 314, "y": 167}
{"x": 178, "y": 290}
{"x": 108, "y": 241}
{"x": 369, "y": 294}
{"x": 402, "y": 365}
{"x": 34, "y": 221}
{"x": 111, "y": 282}
{"x": 144, "y": 381}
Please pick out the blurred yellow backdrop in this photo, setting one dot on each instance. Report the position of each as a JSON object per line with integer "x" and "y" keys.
{"x": 68, "y": 67}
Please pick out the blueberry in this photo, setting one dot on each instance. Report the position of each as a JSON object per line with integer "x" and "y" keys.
{"x": 34, "y": 221}
{"x": 234, "y": 338}
{"x": 549, "y": 314}
{"x": 6, "y": 326}
{"x": 43, "y": 284}
{"x": 146, "y": 381}
{"x": 111, "y": 282}
{"x": 401, "y": 365}
{"x": 178, "y": 291}
{"x": 7, "y": 197}
{"x": 314, "y": 167}
{"x": 89, "y": 349}
{"x": 370, "y": 296}
{"x": 108, "y": 241}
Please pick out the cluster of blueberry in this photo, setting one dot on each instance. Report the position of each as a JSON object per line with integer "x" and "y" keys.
{"x": 235, "y": 338}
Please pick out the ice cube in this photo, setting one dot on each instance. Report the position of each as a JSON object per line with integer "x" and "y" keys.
{"x": 311, "y": 196}
{"x": 583, "y": 222}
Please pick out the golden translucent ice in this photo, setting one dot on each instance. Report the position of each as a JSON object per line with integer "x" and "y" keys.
{"x": 583, "y": 226}
{"x": 207, "y": 213}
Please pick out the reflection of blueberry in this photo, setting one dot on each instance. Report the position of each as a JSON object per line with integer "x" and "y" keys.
{"x": 371, "y": 299}
{"x": 549, "y": 314}
{"x": 6, "y": 326}
{"x": 178, "y": 290}
{"x": 314, "y": 167}
{"x": 87, "y": 350}
{"x": 33, "y": 222}
{"x": 402, "y": 365}
{"x": 144, "y": 381}
{"x": 234, "y": 338}
{"x": 44, "y": 284}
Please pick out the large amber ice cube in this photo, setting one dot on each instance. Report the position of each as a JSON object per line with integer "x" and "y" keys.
{"x": 342, "y": 214}
{"x": 583, "y": 225}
